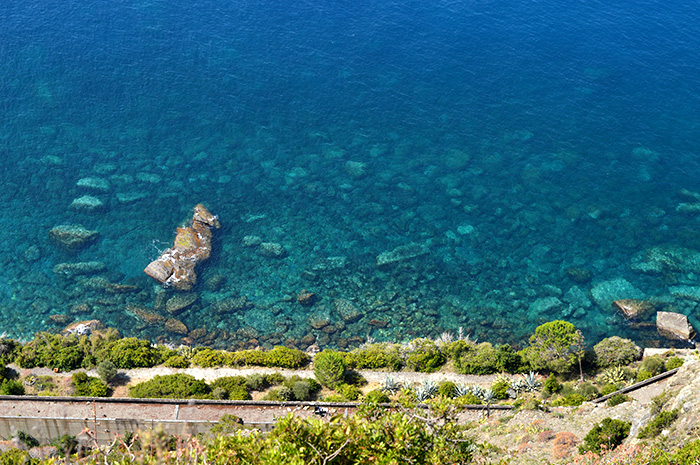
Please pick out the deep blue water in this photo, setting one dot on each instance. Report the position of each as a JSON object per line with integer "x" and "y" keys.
{"x": 536, "y": 151}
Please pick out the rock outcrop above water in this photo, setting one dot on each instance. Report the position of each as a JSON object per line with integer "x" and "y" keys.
{"x": 175, "y": 267}
{"x": 674, "y": 326}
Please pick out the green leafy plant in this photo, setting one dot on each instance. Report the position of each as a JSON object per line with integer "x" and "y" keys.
{"x": 424, "y": 356}
{"x": 616, "y": 351}
{"x": 107, "y": 371}
{"x": 673, "y": 362}
{"x": 618, "y": 399}
{"x": 177, "y": 361}
{"x": 551, "y": 385}
{"x": 375, "y": 356}
{"x": 329, "y": 368}
{"x": 177, "y": 386}
{"x": 552, "y": 347}
{"x": 88, "y": 386}
{"x": 609, "y": 433}
{"x": 133, "y": 353}
{"x": 662, "y": 421}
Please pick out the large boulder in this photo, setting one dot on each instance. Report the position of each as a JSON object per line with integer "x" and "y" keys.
{"x": 175, "y": 267}
{"x": 674, "y": 326}
{"x": 72, "y": 236}
{"x": 633, "y": 309}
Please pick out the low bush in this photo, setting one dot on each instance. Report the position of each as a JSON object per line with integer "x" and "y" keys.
{"x": 551, "y": 385}
{"x": 208, "y": 358}
{"x": 133, "y": 353}
{"x": 469, "y": 399}
{"x": 177, "y": 361}
{"x": 618, "y": 399}
{"x": 616, "y": 351}
{"x": 376, "y": 356}
{"x": 107, "y": 371}
{"x": 500, "y": 389}
{"x": 176, "y": 386}
{"x": 687, "y": 455}
{"x": 447, "y": 389}
{"x": 609, "y": 433}
{"x": 573, "y": 399}
{"x": 285, "y": 357}
{"x": 673, "y": 362}
{"x": 424, "y": 356}
{"x": 329, "y": 368}
{"x": 653, "y": 364}
{"x": 376, "y": 397}
{"x": 349, "y": 391}
{"x": 662, "y": 421}
{"x": 484, "y": 359}
{"x": 10, "y": 387}
{"x": 88, "y": 386}
{"x": 609, "y": 389}
{"x": 588, "y": 390}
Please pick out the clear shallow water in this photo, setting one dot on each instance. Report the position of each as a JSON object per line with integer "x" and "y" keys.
{"x": 533, "y": 153}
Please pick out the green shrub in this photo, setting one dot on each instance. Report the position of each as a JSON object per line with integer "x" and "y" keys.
{"x": 227, "y": 424}
{"x": 13, "y": 456}
{"x": 447, "y": 389}
{"x": 55, "y": 351}
{"x": 376, "y": 397}
{"x": 256, "y": 382}
{"x": 551, "y": 385}
{"x": 349, "y": 391}
{"x": 425, "y": 356}
{"x": 500, "y": 389}
{"x": 208, "y": 358}
{"x": 609, "y": 433}
{"x": 687, "y": 455}
{"x": 107, "y": 371}
{"x": 285, "y": 357}
{"x": 273, "y": 379}
{"x": 588, "y": 390}
{"x": 334, "y": 398}
{"x": 469, "y": 399}
{"x": 238, "y": 393}
{"x": 478, "y": 359}
{"x": 653, "y": 364}
{"x": 233, "y": 387}
{"x": 673, "y": 362}
{"x": 662, "y": 421}
{"x": 573, "y": 399}
{"x": 177, "y": 361}
{"x": 453, "y": 350}
{"x": 552, "y": 347}
{"x": 616, "y": 351}
{"x": 133, "y": 353}
{"x": 643, "y": 375}
{"x": 10, "y": 387}
{"x": 355, "y": 378}
{"x": 67, "y": 445}
{"x": 618, "y": 399}
{"x": 280, "y": 394}
{"x": 8, "y": 350}
{"x": 176, "y": 386}
{"x": 329, "y": 368}
{"x": 88, "y": 386}
{"x": 375, "y": 356}
{"x": 609, "y": 389}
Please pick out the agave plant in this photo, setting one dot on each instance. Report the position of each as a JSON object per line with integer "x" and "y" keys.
{"x": 517, "y": 385}
{"x": 532, "y": 381}
{"x": 488, "y": 397}
{"x": 426, "y": 391}
{"x": 390, "y": 385}
{"x": 462, "y": 389}
{"x": 478, "y": 391}
{"x": 614, "y": 375}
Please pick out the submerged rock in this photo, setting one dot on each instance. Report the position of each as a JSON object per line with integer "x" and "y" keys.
{"x": 272, "y": 250}
{"x": 347, "y": 311}
{"x": 87, "y": 203}
{"x": 175, "y": 266}
{"x": 173, "y": 325}
{"x": 84, "y": 328}
{"x": 69, "y": 270}
{"x": 72, "y": 236}
{"x": 606, "y": 292}
{"x": 634, "y": 308}
{"x": 402, "y": 253}
{"x": 674, "y": 326}
{"x": 94, "y": 183}
{"x": 178, "y": 303}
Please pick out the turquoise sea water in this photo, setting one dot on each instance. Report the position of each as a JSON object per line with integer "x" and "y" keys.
{"x": 520, "y": 162}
